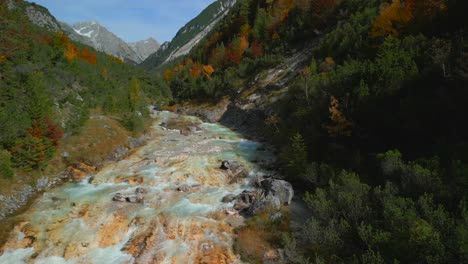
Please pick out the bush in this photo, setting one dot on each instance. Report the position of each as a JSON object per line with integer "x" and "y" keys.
{"x": 295, "y": 156}
{"x": 32, "y": 153}
{"x": 134, "y": 122}
{"x": 5, "y": 164}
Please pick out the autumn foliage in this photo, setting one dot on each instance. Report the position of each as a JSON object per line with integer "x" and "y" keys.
{"x": 339, "y": 126}
{"x": 88, "y": 56}
{"x": 46, "y": 128}
{"x": 71, "y": 52}
{"x": 393, "y": 17}
{"x": 396, "y": 16}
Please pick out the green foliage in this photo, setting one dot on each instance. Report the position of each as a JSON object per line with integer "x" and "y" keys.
{"x": 41, "y": 76}
{"x": 134, "y": 122}
{"x": 397, "y": 92}
{"x": 372, "y": 257}
{"x": 78, "y": 117}
{"x": 295, "y": 156}
{"x": 350, "y": 36}
{"x": 462, "y": 236}
{"x": 185, "y": 34}
{"x": 6, "y": 170}
{"x": 414, "y": 177}
{"x": 393, "y": 65}
{"x": 32, "y": 152}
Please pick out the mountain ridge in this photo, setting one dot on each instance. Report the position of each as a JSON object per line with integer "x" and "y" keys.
{"x": 94, "y": 34}
{"x": 190, "y": 34}
{"x": 90, "y": 33}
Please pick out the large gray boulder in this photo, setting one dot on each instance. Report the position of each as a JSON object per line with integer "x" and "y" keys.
{"x": 269, "y": 203}
{"x": 244, "y": 200}
{"x": 281, "y": 189}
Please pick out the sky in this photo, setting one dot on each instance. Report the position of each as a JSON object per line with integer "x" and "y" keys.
{"x": 131, "y": 20}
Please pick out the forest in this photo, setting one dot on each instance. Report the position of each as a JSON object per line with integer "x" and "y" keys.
{"x": 50, "y": 84}
{"x": 372, "y": 130}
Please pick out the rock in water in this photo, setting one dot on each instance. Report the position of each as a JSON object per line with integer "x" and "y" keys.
{"x": 230, "y": 165}
{"x": 244, "y": 200}
{"x": 228, "y": 198}
{"x": 141, "y": 190}
{"x": 134, "y": 199}
{"x": 128, "y": 198}
{"x": 187, "y": 188}
{"x": 118, "y": 198}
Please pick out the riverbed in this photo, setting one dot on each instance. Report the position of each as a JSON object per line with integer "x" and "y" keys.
{"x": 175, "y": 212}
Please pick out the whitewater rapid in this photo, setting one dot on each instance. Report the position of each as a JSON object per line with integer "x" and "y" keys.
{"x": 79, "y": 222}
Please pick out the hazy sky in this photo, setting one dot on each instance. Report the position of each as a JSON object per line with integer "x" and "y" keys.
{"x": 132, "y": 20}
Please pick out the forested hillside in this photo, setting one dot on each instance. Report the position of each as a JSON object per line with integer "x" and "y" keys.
{"x": 189, "y": 35}
{"x": 371, "y": 126}
{"x": 50, "y": 84}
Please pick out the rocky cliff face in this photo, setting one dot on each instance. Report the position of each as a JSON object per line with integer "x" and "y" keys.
{"x": 37, "y": 14}
{"x": 145, "y": 48}
{"x": 191, "y": 34}
{"x": 97, "y": 36}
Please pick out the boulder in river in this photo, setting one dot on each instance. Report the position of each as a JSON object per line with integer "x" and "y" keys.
{"x": 244, "y": 200}
{"x": 141, "y": 190}
{"x": 119, "y": 198}
{"x": 134, "y": 199}
{"x": 131, "y": 198}
{"x": 235, "y": 171}
{"x": 230, "y": 165}
{"x": 188, "y": 188}
{"x": 228, "y": 198}
{"x": 270, "y": 195}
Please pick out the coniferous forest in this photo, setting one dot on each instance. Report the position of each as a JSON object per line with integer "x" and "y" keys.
{"x": 371, "y": 130}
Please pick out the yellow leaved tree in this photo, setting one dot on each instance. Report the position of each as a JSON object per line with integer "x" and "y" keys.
{"x": 393, "y": 17}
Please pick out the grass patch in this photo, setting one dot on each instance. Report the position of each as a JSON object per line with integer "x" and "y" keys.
{"x": 260, "y": 234}
{"x": 98, "y": 138}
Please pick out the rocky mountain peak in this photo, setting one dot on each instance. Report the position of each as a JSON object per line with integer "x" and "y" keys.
{"x": 96, "y": 35}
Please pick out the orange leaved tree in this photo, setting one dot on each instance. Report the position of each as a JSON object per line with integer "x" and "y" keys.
{"x": 339, "y": 126}
{"x": 392, "y": 19}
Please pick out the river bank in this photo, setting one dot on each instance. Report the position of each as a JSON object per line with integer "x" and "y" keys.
{"x": 164, "y": 202}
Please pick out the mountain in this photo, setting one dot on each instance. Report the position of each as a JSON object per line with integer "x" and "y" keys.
{"x": 190, "y": 34}
{"x": 94, "y": 34}
{"x": 50, "y": 85}
{"x": 144, "y": 48}
{"x": 90, "y": 33}
{"x": 37, "y": 14}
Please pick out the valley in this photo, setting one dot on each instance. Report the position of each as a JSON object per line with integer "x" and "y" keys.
{"x": 178, "y": 217}
{"x": 265, "y": 131}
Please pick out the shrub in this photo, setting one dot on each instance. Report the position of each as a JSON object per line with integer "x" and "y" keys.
{"x": 5, "y": 164}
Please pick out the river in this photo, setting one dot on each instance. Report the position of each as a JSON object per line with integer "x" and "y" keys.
{"x": 181, "y": 218}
